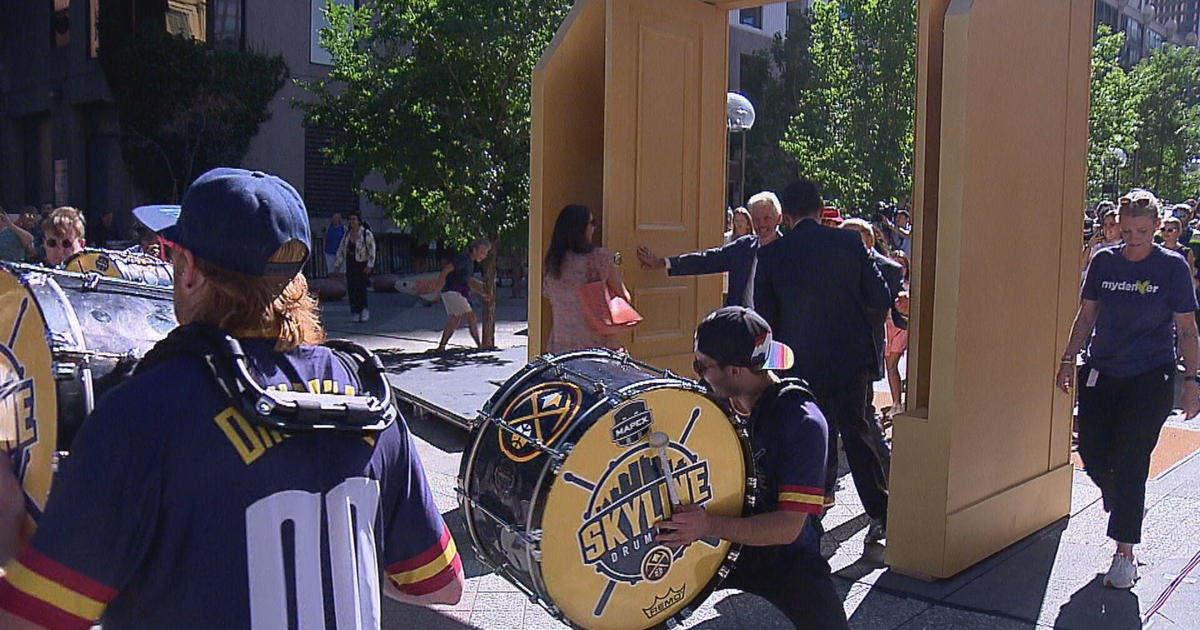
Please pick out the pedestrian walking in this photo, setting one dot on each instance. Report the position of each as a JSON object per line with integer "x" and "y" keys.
{"x": 817, "y": 286}
{"x": 1135, "y": 319}
{"x": 456, "y": 281}
{"x": 356, "y": 259}
{"x": 573, "y": 260}
{"x": 334, "y": 233}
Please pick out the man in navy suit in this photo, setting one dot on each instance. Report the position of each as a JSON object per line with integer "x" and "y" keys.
{"x": 818, "y": 289}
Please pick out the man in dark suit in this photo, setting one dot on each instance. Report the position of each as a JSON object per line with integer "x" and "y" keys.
{"x": 735, "y": 257}
{"x": 818, "y": 288}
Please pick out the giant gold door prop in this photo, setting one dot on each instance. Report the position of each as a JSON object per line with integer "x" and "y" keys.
{"x": 981, "y": 459}
{"x": 627, "y": 118}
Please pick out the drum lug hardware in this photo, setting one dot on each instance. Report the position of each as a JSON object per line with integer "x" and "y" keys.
{"x": 752, "y": 482}
{"x": 733, "y": 555}
{"x": 723, "y": 572}
{"x": 57, "y": 459}
{"x": 65, "y": 371}
{"x": 599, "y": 388}
{"x": 751, "y": 500}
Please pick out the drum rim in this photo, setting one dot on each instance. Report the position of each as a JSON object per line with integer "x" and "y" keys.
{"x": 24, "y": 270}
{"x": 659, "y": 379}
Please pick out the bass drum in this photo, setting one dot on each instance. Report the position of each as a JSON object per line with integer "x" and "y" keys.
{"x": 561, "y": 489}
{"x": 65, "y": 339}
{"x": 131, "y": 266}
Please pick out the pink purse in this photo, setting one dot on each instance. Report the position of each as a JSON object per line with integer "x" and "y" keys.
{"x": 605, "y": 313}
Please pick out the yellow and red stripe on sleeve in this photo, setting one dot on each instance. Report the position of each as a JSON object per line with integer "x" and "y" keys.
{"x": 802, "y": 499}
{"x": 431, "y": 570}
{"x": 50, "y": 594}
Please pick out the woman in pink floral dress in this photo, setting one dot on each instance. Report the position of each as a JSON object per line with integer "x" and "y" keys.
{"x": 571, "y": 262}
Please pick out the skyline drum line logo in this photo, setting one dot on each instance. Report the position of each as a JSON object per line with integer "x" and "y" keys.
{"x": 616, "y": 535}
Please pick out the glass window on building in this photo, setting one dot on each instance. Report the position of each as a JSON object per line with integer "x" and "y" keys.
{"x": 60, "y": 24}
{"x": 227, "y": 24}
{"x": 1108, "y": 14}
{"x": 1133, "y": 41}
{"x": 1153, "y": 39}
{"x": 188, "y": 18}
{"x": 316, "y": 54}
{"x": 751, "y": 17}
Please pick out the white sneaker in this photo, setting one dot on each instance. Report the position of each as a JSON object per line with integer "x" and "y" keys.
{"x": 366, "y": 315}
{"x": 1122, "y": 574}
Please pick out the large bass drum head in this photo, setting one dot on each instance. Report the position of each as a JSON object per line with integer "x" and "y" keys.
{"x": 600, "y": 563}
{"x": 28, "y": 403}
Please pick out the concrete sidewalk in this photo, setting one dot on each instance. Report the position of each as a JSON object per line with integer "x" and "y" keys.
{"x": 1051, "y": 579}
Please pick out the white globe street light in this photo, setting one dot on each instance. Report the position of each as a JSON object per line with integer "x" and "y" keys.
{"x": 739, "y": 119}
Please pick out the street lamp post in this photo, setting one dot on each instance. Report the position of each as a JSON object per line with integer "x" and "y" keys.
{"x": 740, "y": 119}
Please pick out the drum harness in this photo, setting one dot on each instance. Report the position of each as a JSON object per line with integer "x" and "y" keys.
{"x": 291, "y": 412}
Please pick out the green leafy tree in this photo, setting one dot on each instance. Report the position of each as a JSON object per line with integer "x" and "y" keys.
{"x": 1168, "y": 82}
{"x": 184, "y": 108}
{"x": 774, "y": 80}
{"x": 853, "y": 130}
{"x": 1114, "y": 120}
{"x": 433, "y": 96}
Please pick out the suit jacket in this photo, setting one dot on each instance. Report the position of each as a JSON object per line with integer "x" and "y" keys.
{"x": 816, "y": 287}
{"x": 893, "y": 277}
{"x": 736, "y": 257}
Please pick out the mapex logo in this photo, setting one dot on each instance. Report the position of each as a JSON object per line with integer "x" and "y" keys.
{"x": 617, "y": 534}
{"x": 18, "y": 426}
{"x": 631, "y": 423}
{"x": 1142, "y": 286}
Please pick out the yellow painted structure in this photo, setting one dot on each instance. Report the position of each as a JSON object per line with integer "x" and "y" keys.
{"x": 629, "y": 119}
{"x": 981, "y": 458}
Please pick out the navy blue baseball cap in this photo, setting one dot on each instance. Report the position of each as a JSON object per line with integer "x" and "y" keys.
{"x": 235, "y": 219}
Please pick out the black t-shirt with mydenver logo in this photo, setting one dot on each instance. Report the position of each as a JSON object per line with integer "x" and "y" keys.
{"x": 1135, "y": 328}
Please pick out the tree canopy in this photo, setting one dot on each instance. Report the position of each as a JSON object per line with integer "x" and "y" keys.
{"x": 184, "y": 108}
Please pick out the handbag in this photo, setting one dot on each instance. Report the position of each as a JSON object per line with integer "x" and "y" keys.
{"x": 605, "y": 313}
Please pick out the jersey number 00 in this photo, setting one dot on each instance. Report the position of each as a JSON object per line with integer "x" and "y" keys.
{"x": 350, "y": 510}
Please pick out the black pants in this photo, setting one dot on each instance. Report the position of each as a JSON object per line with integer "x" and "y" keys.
{"x": 356, "y": 284}
{"x": 799, "y": 585}
{"x": 1119, "y": 423}
{"x": 844, "y": 404}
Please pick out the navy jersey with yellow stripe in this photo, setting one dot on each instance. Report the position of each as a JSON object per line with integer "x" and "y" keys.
{"x": 174, "y": 512}
{"x": 789, "y": 437}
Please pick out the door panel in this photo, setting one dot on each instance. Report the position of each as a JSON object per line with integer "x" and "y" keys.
{"x": 664, "y": 137}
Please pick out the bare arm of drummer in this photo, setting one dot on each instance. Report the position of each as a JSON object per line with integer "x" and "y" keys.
{"x": 692, "y": 522}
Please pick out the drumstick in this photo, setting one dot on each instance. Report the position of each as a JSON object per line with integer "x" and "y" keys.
{"x": 659, "y": 442}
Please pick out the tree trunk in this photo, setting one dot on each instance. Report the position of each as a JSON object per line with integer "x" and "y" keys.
{"x": 489, "y": 283}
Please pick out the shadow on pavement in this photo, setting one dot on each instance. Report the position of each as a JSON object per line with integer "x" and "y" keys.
{"x": 1007, "y": 589}
{"x": 446, "y": 361}
{"x": 472, "y": 567}
{"x": 1095, "y": 606}
{"x": 397, "y": 615}
{"x": 439, "y": 433}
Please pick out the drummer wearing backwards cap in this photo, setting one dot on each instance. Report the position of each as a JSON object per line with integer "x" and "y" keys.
{"x": 781, "y": 560}
{"x": 182, "y": 506}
